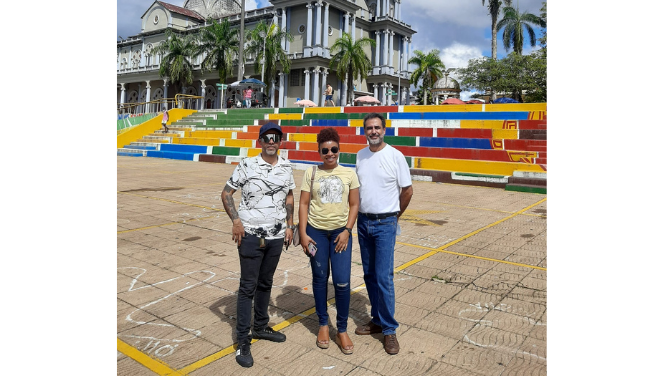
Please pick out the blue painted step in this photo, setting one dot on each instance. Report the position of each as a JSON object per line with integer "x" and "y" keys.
{"x": 513, "y": 115}
{"x": 183, "y": 148}
{"x": 455, "y": 142}
{"x": 141, "y": 147}
{"x": 171, "y": 155}
{"x": 130, "y": 154}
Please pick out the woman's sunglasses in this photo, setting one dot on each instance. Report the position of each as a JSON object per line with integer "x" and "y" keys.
{"x": 324, "y": 151}
{"x": 267, "y": 138}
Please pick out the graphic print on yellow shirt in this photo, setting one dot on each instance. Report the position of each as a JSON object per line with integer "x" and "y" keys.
{"x": 329, "y": 207}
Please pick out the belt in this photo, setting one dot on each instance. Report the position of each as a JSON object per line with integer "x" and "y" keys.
{"x": 379, "y": 216}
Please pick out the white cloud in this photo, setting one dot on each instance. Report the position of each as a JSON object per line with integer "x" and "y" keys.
{"x": 457, "y": 55}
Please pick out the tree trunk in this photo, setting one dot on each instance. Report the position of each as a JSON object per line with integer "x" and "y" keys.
{"x": 494, "y": 46}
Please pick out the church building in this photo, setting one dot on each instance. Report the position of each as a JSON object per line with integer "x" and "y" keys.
{"x": 315, "y": 26}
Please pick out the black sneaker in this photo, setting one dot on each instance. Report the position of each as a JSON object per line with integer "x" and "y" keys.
{"x": 269, "y": 334}
{"x": 244, "y": 357}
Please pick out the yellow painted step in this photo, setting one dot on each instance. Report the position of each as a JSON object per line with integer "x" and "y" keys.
{"x": 307, "y": 137}
{"x": 285, "y": 116}
{"x": 212, "y": 134}
{"x": 214, "y": 142}
{"x": 516, "y": 107}
{"x": 359, "y": 123}
{"x": 474, "y": 166}
{"x": 324, "y": 110}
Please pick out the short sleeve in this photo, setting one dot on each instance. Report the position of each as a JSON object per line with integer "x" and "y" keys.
{"x": 354, "y": 183}
{"x": 306, "y": 180}
{"x": 235, "y": 181}
{"x": 403, "y": 171}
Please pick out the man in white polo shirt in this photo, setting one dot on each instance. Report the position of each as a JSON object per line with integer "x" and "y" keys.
{"x": 385, "y": 194}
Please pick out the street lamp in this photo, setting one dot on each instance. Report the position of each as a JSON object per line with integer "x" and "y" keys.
{"x": 242, "y": 5}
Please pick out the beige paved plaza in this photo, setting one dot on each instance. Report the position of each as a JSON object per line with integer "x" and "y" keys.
{"x": 470, "y": 283}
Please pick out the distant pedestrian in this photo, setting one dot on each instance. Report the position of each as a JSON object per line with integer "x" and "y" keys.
{"x": 165, "y": 119}
{"x": 248, "y": 93}
{"x": 328, "y": 95}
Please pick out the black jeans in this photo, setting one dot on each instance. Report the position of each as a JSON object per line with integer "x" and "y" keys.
{"x": 257, "y": 267}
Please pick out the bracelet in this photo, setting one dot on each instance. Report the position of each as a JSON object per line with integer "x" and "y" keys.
{"x": 349, "y": 230}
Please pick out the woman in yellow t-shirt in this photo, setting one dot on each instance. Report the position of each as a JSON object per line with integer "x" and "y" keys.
{"x": 327, "y": 222}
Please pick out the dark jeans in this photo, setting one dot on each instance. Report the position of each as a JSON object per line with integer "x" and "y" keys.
{"x": 320, "y": 270}
{"x": 257, "y": 267}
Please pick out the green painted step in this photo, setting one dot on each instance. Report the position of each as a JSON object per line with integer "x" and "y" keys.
{"x": 230, "y": 122}
{"x": 526, "y": 189}
{"x": 479, "y": 175}
{"x": 290, "y": 110}
{"x": 225, "y": 151}
{"x": 400, "y": 140}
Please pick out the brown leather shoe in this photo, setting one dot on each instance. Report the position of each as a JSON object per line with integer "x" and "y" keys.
{"x": 391, "y": 345}
{"x": 367, "y": 329}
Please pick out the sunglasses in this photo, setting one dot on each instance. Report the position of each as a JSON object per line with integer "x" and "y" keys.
{"x": 335, "y": 150}
{"x": 267, "y": 138}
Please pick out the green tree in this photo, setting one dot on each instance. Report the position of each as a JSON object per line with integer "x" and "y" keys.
{"x": 429, "y": 69}
{"x": 266, "y": 46}
{"x": 176, "y": 63}
{"x": 494, "y": 6}
{"x": 513, "y": 24}
{"x": 522, "y": 76}
{"x": 349, "y": 59}
{"x": 542, "y": 40}
{"x": 219, "y": 43}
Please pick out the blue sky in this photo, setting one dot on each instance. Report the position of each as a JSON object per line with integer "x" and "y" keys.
{"x": 460, "y": 29}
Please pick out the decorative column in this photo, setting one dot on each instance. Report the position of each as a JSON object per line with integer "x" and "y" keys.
{"x": 391, "y": 37}
{"x": 281, "y": 95}
{"x": 390, "y": 92}
{"x": 408, "y": 53}
{"x": 324, "y": 85}
{"x": 272, "y": 93}
{"x": 146, "y": 109}
{"x": 375, "y": 68}
{"x": 123, "y": 93}
{"x": 316, "y": 91}
{"x": 354, "y": 28}
{"x": 309, "y": 23}
{"x": 319, "y": 24}
{"x": 307, "y": 84}
{"x": 374, "y": 86}
{"x": 284, "y": 28}
{"x": 377, "y": 14}
{"x": 275, "y": 18}
{"x": 386, "y": 35}
{"x": 399, "y": 10}
{"x": 386, "y": 8}
{"x": 346, "y": 23}
{"x": 401, "y": 52}
{"x": 326, "y": 27}
{"x": 202, "y": 93}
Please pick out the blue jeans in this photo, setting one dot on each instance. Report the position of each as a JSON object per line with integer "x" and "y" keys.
{"x": 320, "y": 270}
{"x": 377, "y": 245}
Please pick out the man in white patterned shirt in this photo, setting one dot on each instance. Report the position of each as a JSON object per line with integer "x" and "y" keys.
{"x": 260, "y": 230}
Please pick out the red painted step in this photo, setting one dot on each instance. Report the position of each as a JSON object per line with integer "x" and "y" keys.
{"x": 464, "y": 154}
{"x": 307, "y": 129}
{"x": 364, "y": 109}
{"x": 415, "y": 132}
{"x": 532, "y": 124}
{"x": 528, "y": 145}
{"x": 541, "y": 161}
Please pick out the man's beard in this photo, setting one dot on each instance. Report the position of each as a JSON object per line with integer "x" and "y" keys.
{"x": 379, "y": 140}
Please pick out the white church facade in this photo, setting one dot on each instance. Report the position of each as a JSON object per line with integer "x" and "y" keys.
{"x": 315, "y": 26}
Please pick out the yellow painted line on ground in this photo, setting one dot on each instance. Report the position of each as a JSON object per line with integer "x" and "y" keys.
{"x": 441, "y": 249}
{"x": 490, "y": 259}
{"x": 147, "y": 361}
{"x": 154, "y": 365}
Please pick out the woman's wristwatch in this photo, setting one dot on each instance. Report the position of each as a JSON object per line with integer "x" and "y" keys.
{"x": 349, "y": 230}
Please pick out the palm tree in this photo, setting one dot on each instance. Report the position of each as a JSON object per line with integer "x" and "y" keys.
{"x": 349, "y": 59}
{"x": 513, "y": 24}
{"x": 176, "y": 63}
{"x": 266, "y": 46}
{"x": 429, "y": 69}
{"x": 494, "y": 6}
{"x": 219, "y": 43}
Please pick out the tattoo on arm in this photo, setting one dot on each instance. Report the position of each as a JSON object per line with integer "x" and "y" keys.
{"x": 289, "y": 208}
{"x": 229, "y": 203}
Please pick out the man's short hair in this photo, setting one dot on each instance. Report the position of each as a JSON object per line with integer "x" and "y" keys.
{"x": 375, "y": 115}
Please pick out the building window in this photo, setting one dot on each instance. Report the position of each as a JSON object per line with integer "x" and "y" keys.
{"x": 301, "y": 29}
{"x": 155, "y": 20}
{"x": 330, "y": 31}
{"x": 294, "y": 79}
